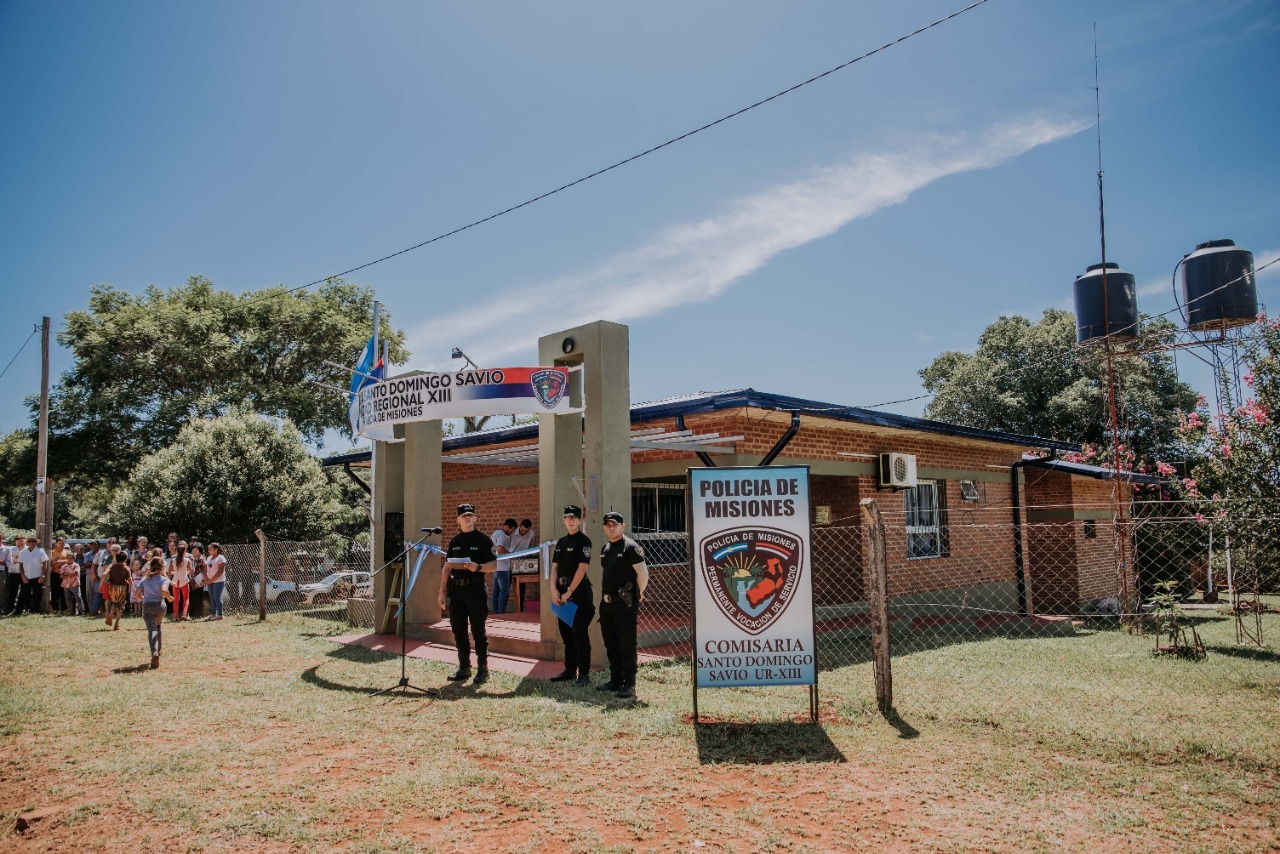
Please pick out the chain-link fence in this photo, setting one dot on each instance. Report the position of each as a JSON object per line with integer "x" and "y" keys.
{"x": 1194, "y": 584}
{"x": 316, "y": 578}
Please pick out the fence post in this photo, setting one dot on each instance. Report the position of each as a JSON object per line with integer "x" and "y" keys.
{"x": 879, "y": 606}
{"x": 262, "y": 575}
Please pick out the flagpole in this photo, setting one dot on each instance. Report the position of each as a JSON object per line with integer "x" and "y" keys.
{"x": 373, "y": 455}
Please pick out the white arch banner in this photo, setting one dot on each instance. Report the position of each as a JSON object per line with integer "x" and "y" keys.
{"x": 490, "y": 391}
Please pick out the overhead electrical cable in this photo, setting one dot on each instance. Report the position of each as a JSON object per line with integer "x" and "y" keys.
{"x": 34, "y": 330}
{"x": 646, "y": 152}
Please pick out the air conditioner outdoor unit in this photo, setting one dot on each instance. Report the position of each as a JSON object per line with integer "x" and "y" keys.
{"x": 897, "y": 471}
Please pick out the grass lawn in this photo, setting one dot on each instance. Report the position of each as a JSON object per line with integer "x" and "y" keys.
{"x": 262, "y": 737}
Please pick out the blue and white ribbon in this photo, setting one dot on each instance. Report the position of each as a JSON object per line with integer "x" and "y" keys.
{"x": 423, "y": 550}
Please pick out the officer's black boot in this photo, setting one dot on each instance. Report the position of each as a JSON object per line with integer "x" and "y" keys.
{"x": 482, "y": 672}
{"x": 462, "y": 674}
{"x": 564, "y": 676}
{"x": 627, "y": 691}
{"x": 612, "y": 685}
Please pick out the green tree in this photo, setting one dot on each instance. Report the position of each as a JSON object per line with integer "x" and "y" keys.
{"x": 1239, "y": 448}
{"x": 1234, "y": 487}
{"x": 145, "y": 364}
{"x": 224, "y": 477}
{"x": 1032, "y": 378}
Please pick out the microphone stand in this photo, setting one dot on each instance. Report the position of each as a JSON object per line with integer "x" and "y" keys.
{"x": 404, "y": 684}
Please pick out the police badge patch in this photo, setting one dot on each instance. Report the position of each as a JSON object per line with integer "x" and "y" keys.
{"x": 549, "y": 387}
{"x": 752, "y": 574}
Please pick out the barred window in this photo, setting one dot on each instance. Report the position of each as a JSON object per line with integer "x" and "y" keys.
{"x": 926, "y": 532}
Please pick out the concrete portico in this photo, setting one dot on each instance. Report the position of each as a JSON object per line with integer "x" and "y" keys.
{"x": 583, "y": 458}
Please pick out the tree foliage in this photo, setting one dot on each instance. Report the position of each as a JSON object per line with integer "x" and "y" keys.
{"x": 224, "y": 477}
{"x": 145, "y": 364}
{"x": 1033, "y": 379}
{"x": 1239, "y": 448}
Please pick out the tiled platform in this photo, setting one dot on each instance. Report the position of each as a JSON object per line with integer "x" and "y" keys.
{"x": 511, "y": 629}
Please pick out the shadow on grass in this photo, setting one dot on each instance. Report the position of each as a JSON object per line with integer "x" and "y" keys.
{"x": 837, "y": 652}
{"x": 764, "y": 743}
{"x": 1250, "y": 652}
{"x": 328, "y": 614}
{"x": 311, "y": 676}
{"x": 137, "y": 668}
{"x": 905, "y": 730}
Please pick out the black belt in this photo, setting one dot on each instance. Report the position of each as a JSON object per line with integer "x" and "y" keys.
{"x": 465, "y": 581}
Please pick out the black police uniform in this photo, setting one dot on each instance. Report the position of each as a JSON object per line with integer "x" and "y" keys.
{"x": 619, "y": 606}
{"x": 467, "y": 597}
{"x": 571, "y": 551}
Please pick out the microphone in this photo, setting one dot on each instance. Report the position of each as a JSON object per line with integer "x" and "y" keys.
{"x": 431, "y": 530}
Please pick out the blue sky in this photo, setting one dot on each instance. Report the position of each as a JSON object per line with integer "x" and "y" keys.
{"x": 827, "y": 245}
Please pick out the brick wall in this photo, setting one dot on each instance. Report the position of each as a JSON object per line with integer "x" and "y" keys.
{"x": 1063, "y": 567}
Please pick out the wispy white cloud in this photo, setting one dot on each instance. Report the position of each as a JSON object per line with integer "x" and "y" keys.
{"x": 699, "y": 261}
{"x": 1156, "y": 287}
{"x": 1269, "y": 257}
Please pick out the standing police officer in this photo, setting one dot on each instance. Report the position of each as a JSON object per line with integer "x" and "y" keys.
{"x": 469, "y": 556}
{"x": 623, "y": 580}
{"x": 572, "y": 557}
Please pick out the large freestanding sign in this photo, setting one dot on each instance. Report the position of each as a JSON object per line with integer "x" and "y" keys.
{"x": 491, "y": 391}
{"x": 753, "y": 601}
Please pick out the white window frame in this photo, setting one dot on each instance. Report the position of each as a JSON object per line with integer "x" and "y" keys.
{"x": 918, "y": 522}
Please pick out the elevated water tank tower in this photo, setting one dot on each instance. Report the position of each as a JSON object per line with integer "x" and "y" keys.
{"x": 1116, "y": 314}
{"x": 1218, "y": 287}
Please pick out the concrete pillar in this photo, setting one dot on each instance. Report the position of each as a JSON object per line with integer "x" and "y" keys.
{"x": 388, "y": 497}
{"x": 594, "y": 446}
{"x": 423, "y": 491}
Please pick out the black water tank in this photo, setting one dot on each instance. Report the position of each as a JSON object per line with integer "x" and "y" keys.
{"x": 1217, "y": 286}
{"x": 1120, "y": 307}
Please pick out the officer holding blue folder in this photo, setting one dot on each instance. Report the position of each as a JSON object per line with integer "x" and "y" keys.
{"x": 571, "y": 557}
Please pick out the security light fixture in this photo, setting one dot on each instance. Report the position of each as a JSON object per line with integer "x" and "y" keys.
{"x": 458, "y": 354}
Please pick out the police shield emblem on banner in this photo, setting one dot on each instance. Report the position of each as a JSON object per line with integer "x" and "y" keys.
{"x": 549, "y": 387}
{"x": 752, "y": 574}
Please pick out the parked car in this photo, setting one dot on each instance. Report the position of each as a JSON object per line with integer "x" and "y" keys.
{"x": 337, "y": 586}
{"x": 278, "y": 592}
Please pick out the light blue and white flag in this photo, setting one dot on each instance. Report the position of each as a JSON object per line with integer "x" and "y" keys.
{"x": 359, "y": 379}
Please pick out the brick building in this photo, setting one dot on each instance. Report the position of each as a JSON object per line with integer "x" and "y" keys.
{"x": 953, "y": 537}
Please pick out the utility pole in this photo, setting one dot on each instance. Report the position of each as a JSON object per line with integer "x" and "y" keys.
{"x": 44, "y": 521}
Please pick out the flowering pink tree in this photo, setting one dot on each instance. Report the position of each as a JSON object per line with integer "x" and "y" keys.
{"x": 1235, "y": 485}
{"x": 1239, "y": 448}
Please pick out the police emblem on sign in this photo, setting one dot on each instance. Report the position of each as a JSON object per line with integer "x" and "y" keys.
{"x": 549, "y": 387}
{"x": 752, "y": 574}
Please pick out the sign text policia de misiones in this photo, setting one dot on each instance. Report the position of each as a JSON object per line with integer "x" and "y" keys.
{"x": 753, "y": 592}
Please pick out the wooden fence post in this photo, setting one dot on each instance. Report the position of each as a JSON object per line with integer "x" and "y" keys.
{"x": 262, "y": 575}
{"x": 879, "y": 606}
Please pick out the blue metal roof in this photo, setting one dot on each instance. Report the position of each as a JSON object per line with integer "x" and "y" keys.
{"x": 1097, "y": 472}
{"x": 748, "y": 397}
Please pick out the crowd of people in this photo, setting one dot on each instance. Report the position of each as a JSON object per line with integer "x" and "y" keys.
{"x": 110, "y": 579}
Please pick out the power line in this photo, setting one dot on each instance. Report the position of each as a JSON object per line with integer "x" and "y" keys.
{"x": 1085, "y": 345}
{"x": 20, "y": 349}
{"x": 647, "y": 151}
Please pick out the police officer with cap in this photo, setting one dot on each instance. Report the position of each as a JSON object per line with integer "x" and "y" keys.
{"x": 469, "y": 556}
{"x": 572, "y": 557}
{"x": 623, "y": 580}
